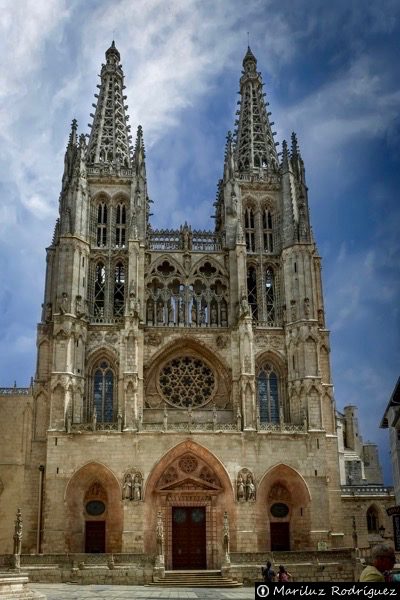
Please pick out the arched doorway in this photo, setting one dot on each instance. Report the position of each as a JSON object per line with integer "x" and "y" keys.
{"x": 94, "y": 517}
{"x": 191, "y": 489}
{"x": 284, "y": 510}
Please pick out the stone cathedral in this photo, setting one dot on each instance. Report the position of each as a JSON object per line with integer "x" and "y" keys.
{"x": 183, "y": 399}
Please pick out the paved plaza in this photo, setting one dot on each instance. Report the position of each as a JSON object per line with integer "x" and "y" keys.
{"x": 68, "y": 591}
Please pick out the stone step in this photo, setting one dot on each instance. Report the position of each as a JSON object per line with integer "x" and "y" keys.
{"x": 195, "y": 579}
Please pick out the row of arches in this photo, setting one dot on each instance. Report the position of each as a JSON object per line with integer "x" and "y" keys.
{"x": 94, "y": 494}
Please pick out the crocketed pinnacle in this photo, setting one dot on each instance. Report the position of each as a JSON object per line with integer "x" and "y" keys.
{"x": 255, "y": 146}
{"x": 109, "y": 141}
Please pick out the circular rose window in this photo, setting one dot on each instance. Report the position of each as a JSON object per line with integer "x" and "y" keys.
{"x": 187, "y": 381}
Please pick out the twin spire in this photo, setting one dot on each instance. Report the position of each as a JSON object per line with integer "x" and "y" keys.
{"x": 110, "y": 139}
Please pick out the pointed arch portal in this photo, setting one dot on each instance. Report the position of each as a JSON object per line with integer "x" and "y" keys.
{"x": 191, "y": 488}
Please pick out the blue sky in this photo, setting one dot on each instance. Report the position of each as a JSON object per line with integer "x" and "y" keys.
{"x": 331, "y": 73}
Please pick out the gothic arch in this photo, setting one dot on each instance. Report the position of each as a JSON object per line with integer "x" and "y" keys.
{"x": 190, "y": 347}
{"x": 120, "y": 197}
{"x": 214, "y": 494}
{"x": 97, "y": 354}
{"x": 179, "y": 270}
{"x": 208, "y": 259}
{"x": 101, "y": 196}
{"x": 76, "y": 492}
{"x": 295, "y": 495}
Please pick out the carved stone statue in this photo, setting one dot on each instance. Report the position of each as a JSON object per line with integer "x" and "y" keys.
{"x": 18, "y": 533}
{"x": 223, "y": 314}
{"x": 137, "y": 487}
{"x": 160, "y": 535}
{"x": 160, "y": 313}
{"x": 48, "y": 312}
{"x": 170, "y": 312}
{"x": 240, "y": 489}
{"x": 127, "y": 487}
{"x": 250, "y": 489}
{"x": 213, "y": 315}
{"x": 307, "y": 307}
{"x": 181, "y": 311}
{"x": 63, "y": 304}
{"x": 244, "y": 306}
{"x": 226, "y": 538}
{"x": 194, "y": 313}
{"x": 150, "y": 311}
{"x": 79, "y": 306}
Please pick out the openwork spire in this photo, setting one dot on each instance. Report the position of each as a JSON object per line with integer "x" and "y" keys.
{"x": 109, "y": 141}
{"x": 255, "y": 146}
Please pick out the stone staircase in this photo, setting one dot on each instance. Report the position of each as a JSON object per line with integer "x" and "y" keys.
{"x": 205, "y": 579}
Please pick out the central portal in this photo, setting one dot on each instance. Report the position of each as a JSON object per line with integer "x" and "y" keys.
{"x": 189, "y": 537}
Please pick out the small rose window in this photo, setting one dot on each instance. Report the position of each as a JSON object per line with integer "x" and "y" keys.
{"x": 187, "y": 381}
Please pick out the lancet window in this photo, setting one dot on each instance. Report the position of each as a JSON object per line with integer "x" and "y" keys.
{"x": 268, "y": 394}
{"x": 99, "y": 290}
{"x": 120, "y": 227}
{"x": 102, "y": 214}
{"x": 250, "y": 232}
{"x": 103, "y": 392}
{"x": 372, "y": 520}
{"x": 270, "y": 296}
{"x": 252, "y": 291}
{"x": 119, "y": 289}
{"x": 267, "y": 231}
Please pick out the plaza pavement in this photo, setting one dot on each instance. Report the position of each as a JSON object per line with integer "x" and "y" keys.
{"x": 69, "y": 591}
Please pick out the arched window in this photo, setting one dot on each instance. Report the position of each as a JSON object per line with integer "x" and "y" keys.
{"x": 267, "y": 231}
{"x": 252, "y": 291}
{"x": 99, "y": 290}
{"x": 372, "y": 520}
{"x": 249, "y": 230}
{"x": 268, "y": 394}
{"x": 270, "y": 296}
{"x": 103, "y": 392}
{"x": 120, "y": 229}
{"x": 102, "y": 224}
{"x": 119, "y": 290}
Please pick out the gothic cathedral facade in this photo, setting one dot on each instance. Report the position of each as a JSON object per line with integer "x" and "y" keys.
{"x": 183, "y": 376}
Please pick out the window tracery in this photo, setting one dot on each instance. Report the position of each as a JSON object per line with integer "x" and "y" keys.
{"x": 120, "y": 227}
{"x": 270, "y": 296}
{"x": 252, "y": 291}
{"x": 99, "y": 290}
{"x": 250, "y": 231}
{"x": 268, "y": 394}
{"x": 102, "y": 213}
{"x": 119, "y": 289}
{"x": 267, "y": 231}
{"x": 372, "y": 520}
{"x": 200, "y": 300}
{"x": 187, "y": 381}
{"x": 102, "y": 406}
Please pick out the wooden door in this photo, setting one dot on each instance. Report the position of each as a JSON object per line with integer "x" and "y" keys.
{"x": 95, "y": 537}
{"x": 189, "y": 537}
{"x": 280, "y": 537}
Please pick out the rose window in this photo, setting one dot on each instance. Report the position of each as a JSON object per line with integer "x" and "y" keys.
{"x": 187, "y": 381}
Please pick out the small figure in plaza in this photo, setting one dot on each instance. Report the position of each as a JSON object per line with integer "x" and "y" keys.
{"x": 127, "y": 487}
{"x": 283, "y": 575}
{"x": 240, "y": 489}
{"x": 268, "y": 573}
{"x": 137, "y": 488}
{"x": 250, "y": 489}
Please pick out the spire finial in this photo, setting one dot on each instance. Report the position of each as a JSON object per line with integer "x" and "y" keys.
{"x": 295, "y": 145}
{"x": 72, "y": 135}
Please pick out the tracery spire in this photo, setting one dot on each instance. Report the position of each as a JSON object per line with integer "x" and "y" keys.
{"x": 109, "y": 140}
{"x": 255, "y": 146}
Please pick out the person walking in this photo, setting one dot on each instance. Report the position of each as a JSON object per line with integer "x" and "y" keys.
{"x": 268, "y": 573}
{"x": 283, "y": 575}
{"x": 383, "y": 560}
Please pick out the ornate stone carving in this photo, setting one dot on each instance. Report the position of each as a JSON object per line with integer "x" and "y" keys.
{"x": 245, "y": 486}
{"x": 154, "y": 339}
{"x": 187, "y": 381}
{"x": 132, "y": 486}
{"x": 221, "y": 341}
{"x": 188, "y": 463}
{"x": 18, "y": 533}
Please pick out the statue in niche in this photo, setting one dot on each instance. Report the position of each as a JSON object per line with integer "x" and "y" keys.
{"x": 150, "y": 312}
{"x": 160, "y": 313}
{"x": 194, "y": 313}
{"x": 240, "y": 489}
{"x": 250, "y": 489}
{"x": 181, "y": 311}
{"x": 79, "y": 307}
{"x": 160, "y": 535}
{"x": 213, "y": 315}
{"x": 307, "y": 307}
{"x": 170, "y": 312}
{"x": 202, "y": 315}
{"x": 127, "y": 487}
{"x": 284, "y": 315}
{"x": 137, "y": 487}
{"x": 133, "y": 225}
{"x": 293, "y": 309}
{"x": 223, "y": 314}
{"x": 63, "y": 304}
{"x": 48, "y": 312}
{"x": 244, "y": 306}
{"x": 321, "y": 317}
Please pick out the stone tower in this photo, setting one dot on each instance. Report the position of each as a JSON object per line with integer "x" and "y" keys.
{"x": 184, "y": 373}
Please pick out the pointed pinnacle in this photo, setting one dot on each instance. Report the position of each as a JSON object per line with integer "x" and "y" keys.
{"x": 285, "y": 154}
{"x": 295, "y": 146}
{"x": 72, "y": 135}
